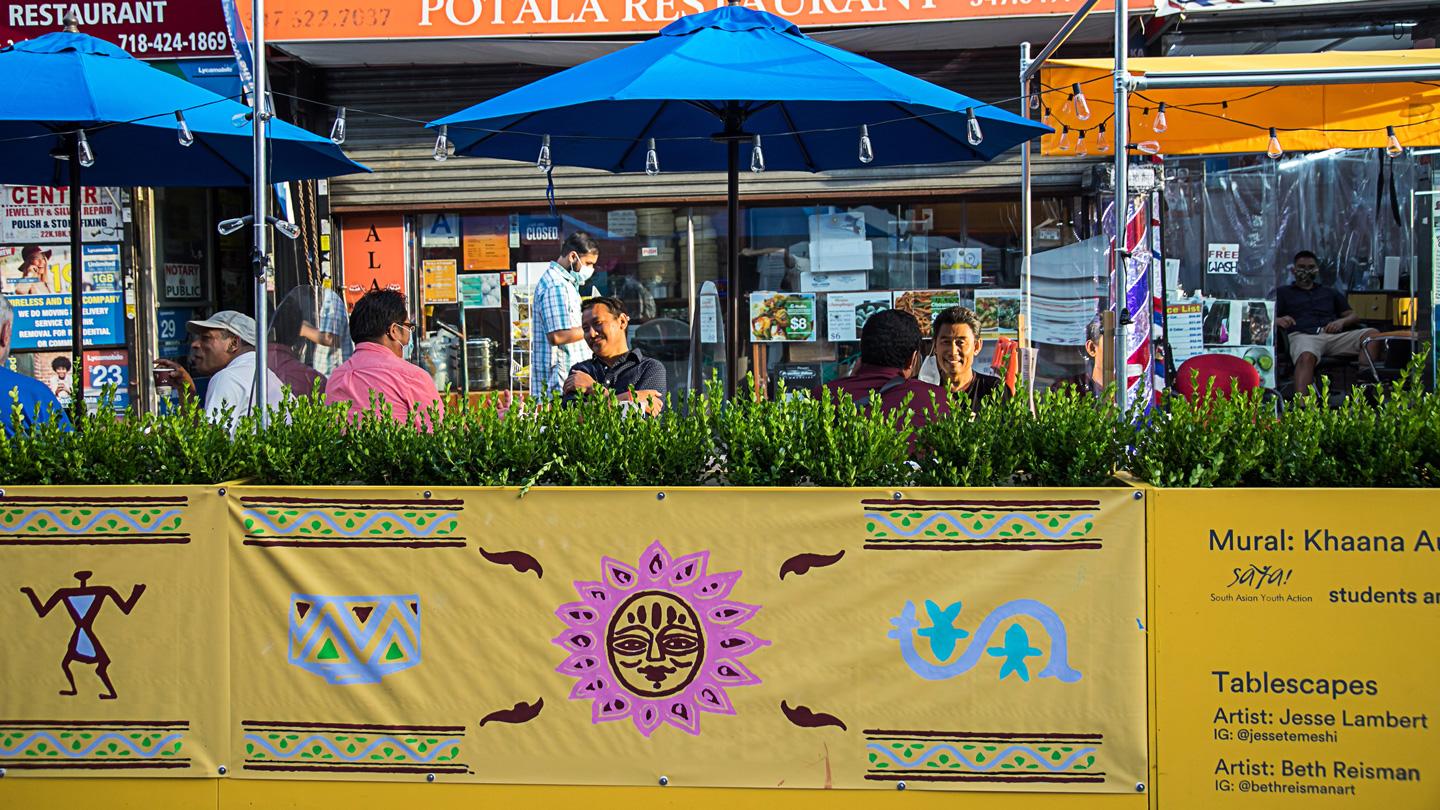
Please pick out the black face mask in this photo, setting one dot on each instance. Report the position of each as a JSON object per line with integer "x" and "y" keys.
{"x": 1307, "y": 275}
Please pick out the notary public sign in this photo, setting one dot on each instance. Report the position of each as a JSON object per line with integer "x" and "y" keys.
{"x": 1293, "y": 653}
{"x": 148, "y": 29}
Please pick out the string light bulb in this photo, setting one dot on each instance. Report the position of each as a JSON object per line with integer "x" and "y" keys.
{"x": 337, "y": 129}
{"x": 442, "y": 144}
{"x": 543, "y": 161}
{"x": 1160, "y": 124}
{"x": 1081, "y": 150}
{"x": 182, "y": 129}
{"x": 87, "y": 156}
{"x": 973, "y": 135}
{"x": 1082, "y": 107}
{"x": 1102, "y": 143}
{"x": 757, "y": 156}
{"x": 1275, "y": 150}
{"x": 1064, "y": 143}
{"x": 867, "y": 149}
{"x": 652, "y": 159}
{"x": 1392, "y": 145}
{"x": 1045, "y": 119}
{"x": 1148, "y": 147}
{"x": 1035, "y": 95}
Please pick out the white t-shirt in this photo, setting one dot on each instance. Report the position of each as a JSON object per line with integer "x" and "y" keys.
{"x": 234, "y": 386}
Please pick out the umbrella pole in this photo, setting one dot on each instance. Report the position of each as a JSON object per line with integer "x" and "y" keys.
{"x": 77, "y": 296}
{"x": 732, "y": 266}
{"x": 260, "y": 186}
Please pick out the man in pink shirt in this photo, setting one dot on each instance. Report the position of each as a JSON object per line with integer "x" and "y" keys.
{"x": 382, "y": 330}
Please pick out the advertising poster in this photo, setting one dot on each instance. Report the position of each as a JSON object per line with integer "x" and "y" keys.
{"x": 38, "y": 270}
{"x": 439, "y": 230}
{"x": 999, "y": 313}
{"x": 846, "y": 313}
{"x": 109, "y": 367}
{"x": 55, "y": 369}
{"x": 170, "y": 324}
{"x": 374, "y": 254}
{"x": 1294, "y": 646}
{"x": 926, "y": 304}
{"x": 41, "y": 215}
{"x": 487, "y": 243}
{"x": 777, "y": 317}
{"x": 441, "y": 286}
{"x": 43, "y": 321}
{"x": 1261, "y": 357}
{"x": 480, "y": 290}
{"x": 1222, "y": 259}
{"x": 959, "y": 266}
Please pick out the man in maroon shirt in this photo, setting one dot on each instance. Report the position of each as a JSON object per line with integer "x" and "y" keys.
{"x": 889, "y": 361}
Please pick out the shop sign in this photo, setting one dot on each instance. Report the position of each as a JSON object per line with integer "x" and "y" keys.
{"x": 182, "y": 280}
{"x": 487, "y": 244}
{"x": 624, "y": 224}
{"x": 104, "y": 368}
{"x": 301, "y": 20}
{"x": 373, "y": 255}
{"x": 539, "y": 230}
{"x": 43, "y": 321}
{"x": 440, "y": 231}
{"x": 148, "y": 29}
{"x": 777, "y": 317}
{"x": 41, "y": 214}
{"x": 1222, "y": 258}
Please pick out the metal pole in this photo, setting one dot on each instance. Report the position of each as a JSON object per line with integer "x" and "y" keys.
{"x": 77, "y": 284}
{"x": 1026, "y": 222}
{"x": 692, "y": 306}
{"x": 1067, "y": 28}
{"x": 732, "y": 267}
{"x": 260, "y": 186}
{"x": 1122, "y": 198}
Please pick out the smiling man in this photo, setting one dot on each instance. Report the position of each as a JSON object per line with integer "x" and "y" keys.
{"x": 957, "y": 343}
{"x": 631, "y": 375}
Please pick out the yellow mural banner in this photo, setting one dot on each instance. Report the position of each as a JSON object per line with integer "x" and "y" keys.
{"x": 114, "y": 605}
{"x": 971, "y": 640}
{"x": 1295, "y": 658}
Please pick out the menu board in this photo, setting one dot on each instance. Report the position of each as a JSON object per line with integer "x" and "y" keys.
{"x": 778, "y": 317}
{"x": 846, "y": 313}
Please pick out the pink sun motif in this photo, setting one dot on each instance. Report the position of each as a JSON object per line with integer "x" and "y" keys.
{"x": 658, "y": 642}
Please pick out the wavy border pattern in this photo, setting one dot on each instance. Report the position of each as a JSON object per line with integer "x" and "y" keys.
{"x": 336, "y": 523}
{"x": 92, "y": 744}
{"x": 350, "y": 748}
{"x": 39, "y": 521}
{"x": 974, "y": 756}
{"x": 980, "y": 525}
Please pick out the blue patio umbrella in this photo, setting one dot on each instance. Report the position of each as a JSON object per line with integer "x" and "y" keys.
{"x": 715, "y": 81}
{"x": 57, "y": 86}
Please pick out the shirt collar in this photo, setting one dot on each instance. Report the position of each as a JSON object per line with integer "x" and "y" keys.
{"x": 568, "y": 275}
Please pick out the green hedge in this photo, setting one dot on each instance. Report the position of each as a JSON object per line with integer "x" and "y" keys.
{"x": 1389, "y": 439}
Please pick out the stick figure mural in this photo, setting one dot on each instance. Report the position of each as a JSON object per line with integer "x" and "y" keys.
{"x": 83, "y": 603}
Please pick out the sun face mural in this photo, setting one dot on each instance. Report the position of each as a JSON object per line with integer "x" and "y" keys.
{"x": 658, "y": 642}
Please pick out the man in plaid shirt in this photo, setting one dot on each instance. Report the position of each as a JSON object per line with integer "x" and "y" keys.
{"x": 556, "y": 341}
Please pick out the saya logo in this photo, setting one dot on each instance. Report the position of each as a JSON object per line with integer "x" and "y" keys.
{"x": 1014, "y": 651}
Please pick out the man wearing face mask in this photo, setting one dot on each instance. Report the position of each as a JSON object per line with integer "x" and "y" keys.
{"x": 557, "y": 342}
{"x": 381, "y": 328}
{"x": 1314, "y": 318}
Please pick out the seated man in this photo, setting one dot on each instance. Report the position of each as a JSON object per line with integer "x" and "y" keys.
{"x": 615, "y": 365}
{"x": 957, "y": 343}
{"x": 889, "y": 361}
{"x": 223, "y": 346}
{"x": 1314, "y": 318}
{"x": 381, "y": 327}
{"x": 37, "y": 402}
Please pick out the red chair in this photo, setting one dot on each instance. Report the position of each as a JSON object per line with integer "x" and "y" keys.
{"x": 1231, "y": 375}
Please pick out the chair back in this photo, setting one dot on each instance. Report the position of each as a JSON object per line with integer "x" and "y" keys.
{"x": 1231, "y": 375}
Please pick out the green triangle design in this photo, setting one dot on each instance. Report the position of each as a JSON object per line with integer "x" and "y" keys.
{"x": 327, "y": 651}
{"x": 394, "y": 652}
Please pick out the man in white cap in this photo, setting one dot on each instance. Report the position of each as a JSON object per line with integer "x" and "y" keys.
{"x": 222, "y": 345}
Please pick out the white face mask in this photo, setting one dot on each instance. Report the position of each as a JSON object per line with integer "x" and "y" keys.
{"x": 408, "y": 351}
{"x": 586, "y": 271}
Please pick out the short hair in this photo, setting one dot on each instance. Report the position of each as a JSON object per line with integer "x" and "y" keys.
{"x": 375, "y": 313}
{"x": 955, "y": 316}
{"x": 580, "y": 242}
{"x": 889, "y": 339}
{"x": 615, "y": 305}
{"x": 60, "y": 362}
{"x": 1305, "y": 254}
{"x": 1093, "y": 331}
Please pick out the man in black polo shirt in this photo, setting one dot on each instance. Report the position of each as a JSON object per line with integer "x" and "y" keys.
{"x": 1314, "y": 319}
{"x": 632, "y": 376}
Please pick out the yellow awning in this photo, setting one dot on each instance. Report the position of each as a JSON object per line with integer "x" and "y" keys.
{"x": 1238, "y": 119}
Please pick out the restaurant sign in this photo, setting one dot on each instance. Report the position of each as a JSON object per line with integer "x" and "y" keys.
{"x": 148, "y": 29}
{"x": 302, "y": 20}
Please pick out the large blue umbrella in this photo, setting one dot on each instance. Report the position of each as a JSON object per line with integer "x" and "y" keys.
{"x": 713, "y": 82}
{"x": 76, "y": 110}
